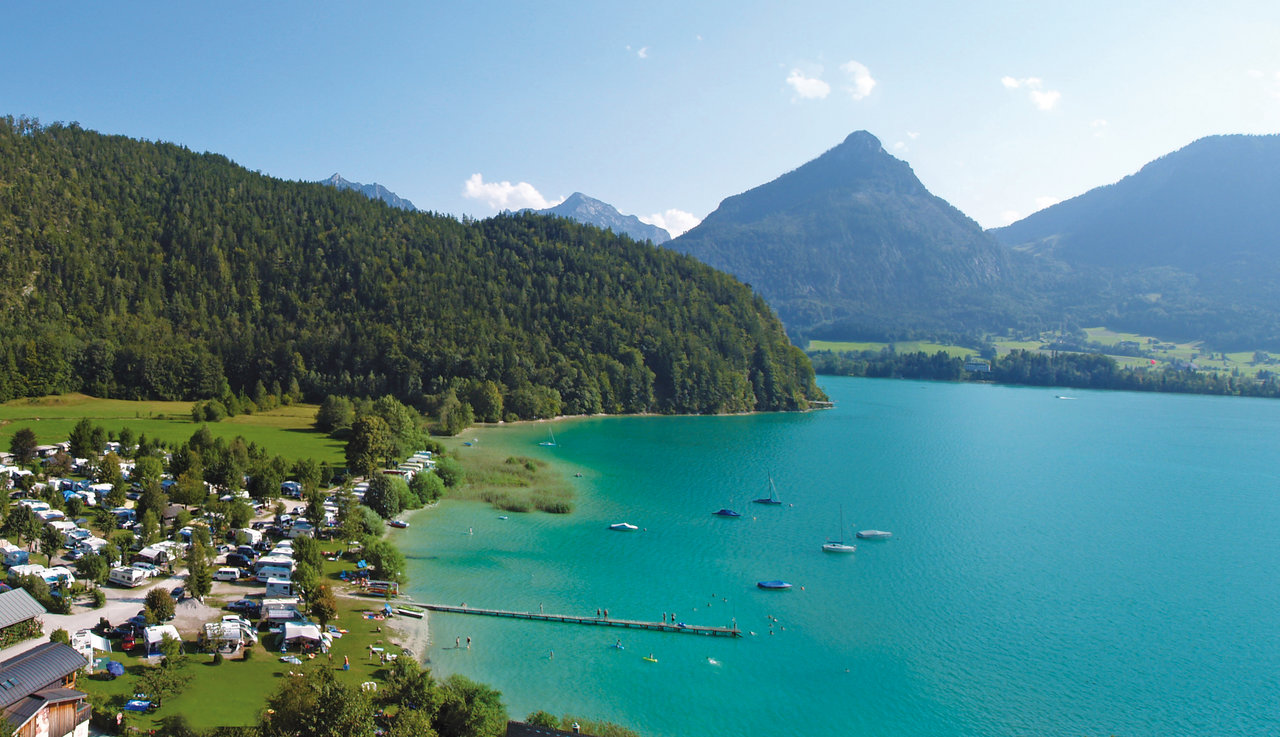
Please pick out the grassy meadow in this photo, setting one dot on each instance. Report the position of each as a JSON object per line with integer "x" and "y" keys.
{"x": 285, "y": 431}
{"x": 496, "y": 473}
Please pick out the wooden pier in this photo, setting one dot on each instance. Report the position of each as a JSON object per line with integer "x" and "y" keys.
{"x": 634, "y": 624}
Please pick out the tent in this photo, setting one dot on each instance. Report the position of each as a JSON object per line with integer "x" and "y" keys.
{"x": 115, "y": 668}
{"x": 306, "y": 636}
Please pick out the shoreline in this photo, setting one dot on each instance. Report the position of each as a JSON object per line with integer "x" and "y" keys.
{"x": 415, "y": 632}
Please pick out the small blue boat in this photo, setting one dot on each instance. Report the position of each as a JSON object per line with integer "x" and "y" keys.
{"x": 773, "y": 585}
{"x": 726, "y": 513}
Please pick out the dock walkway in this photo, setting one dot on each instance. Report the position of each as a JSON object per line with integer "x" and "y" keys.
{"x": 596, "y": 621}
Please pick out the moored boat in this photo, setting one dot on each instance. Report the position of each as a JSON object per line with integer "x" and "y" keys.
{"x": 726, "y": 513}
{"x": 838, "y": 545}
{"x": 398, "y": 523}
{"x": 773, "y": 495}
{"x": 773, "y": 585}
{"x": 623, "y": 527}
{"x": 874, "y": 534}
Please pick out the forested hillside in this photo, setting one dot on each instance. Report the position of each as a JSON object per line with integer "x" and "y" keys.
{"x": 136, "y": 269}
{"x": 1186, "y": 248}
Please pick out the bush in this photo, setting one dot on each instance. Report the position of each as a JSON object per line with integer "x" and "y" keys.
{"x": 99, "y": 598}
{"x": 248, "y": 652}
{"x": 217, "y": 658}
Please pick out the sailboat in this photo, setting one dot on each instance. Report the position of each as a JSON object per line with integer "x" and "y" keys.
{"x": 773, "y": 495}
{"x": 550, "y": 442}
{"x": 838, "y": 545}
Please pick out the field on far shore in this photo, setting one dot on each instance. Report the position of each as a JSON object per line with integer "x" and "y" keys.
{"x": 1163, "y": 352}
{"x": 285, "y": 431}
{"x": 906, "y": 346}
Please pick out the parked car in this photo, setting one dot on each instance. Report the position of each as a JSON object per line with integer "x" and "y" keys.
{"x": 177, "y": 593}
{"x": 248, "y": 606}
{"x": 227, "y": 574}
{"x": 236, "y": 560}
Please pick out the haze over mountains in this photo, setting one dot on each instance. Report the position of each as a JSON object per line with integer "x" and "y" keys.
{"x": 591, "y": 211}
{"x": 851, "y": 245}
{"x": 1188, "y": 247}
{"x": 372, "y": 191}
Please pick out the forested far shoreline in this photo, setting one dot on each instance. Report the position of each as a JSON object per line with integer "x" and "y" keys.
{"x": 1029, "y": 368}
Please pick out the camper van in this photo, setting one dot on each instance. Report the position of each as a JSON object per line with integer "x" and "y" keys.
{"x": 279, "y": 588}
{"x": 127, "y": 576}
{"x": 266, "y": 574}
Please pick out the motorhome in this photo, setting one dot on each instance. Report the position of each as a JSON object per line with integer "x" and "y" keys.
{"x": 127, "y": 576}
{"x": 266, "y": 574}
{"x": 279, "y": 587}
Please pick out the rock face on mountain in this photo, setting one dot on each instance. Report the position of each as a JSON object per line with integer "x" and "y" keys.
{"x": 853, "y": 243}
{"x": 372, "y": 191}
{"x": 1187, "y": 247}
{"x": 591, "y": 211}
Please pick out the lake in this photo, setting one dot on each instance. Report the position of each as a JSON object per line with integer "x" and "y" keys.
{"x": 1104, "y": 564}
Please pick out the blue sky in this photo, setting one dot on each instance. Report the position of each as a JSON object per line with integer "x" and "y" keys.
{"x": 663, "y": 108}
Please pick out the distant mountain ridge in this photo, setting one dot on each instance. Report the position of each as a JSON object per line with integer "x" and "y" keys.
{"x": 1187, "y": 247}
{"x": 853, "y": 242}
{"x": 591, "y": 211}
{"x": 372, "y": 191}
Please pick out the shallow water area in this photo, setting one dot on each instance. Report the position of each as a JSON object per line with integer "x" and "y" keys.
{"x": 1098, "y": 566}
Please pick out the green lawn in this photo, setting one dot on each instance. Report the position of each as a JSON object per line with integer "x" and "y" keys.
{"x": 239, "y": 688}
{"x": 286, "y": 431}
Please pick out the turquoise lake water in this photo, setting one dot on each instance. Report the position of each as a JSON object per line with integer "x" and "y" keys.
{"x": 1099, "y": 566}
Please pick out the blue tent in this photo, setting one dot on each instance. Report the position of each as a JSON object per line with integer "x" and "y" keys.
{"x": 115, "y": 668}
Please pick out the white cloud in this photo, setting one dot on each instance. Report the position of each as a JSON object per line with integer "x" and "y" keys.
{"x": 1045, "y": 100}
{"x": 1040, "y": 97}
{"x": 912, "y": 135}
{"x": 643, "y": 53}
{"x": 505, "y": 195}
{"x": 1043, "y": 202}
{"x": 899, "y": 146}
{"x": 675, "y": 222}
{"x": 1099, "y": 127}
{"x": 1009, "y": 217}
{"x": 808, "y": 88}
{"x": 859, "y": 78}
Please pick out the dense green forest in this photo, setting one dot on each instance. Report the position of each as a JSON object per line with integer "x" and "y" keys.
{"x": 143, "y": 270}
{"x": 1076, "y": 370}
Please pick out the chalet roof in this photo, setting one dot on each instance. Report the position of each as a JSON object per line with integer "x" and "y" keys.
{"x": 18, "y": 606}
{"x": 521, "y": 729}
{"x": 20, "y": 713}
{"x": 34, "y": 670}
